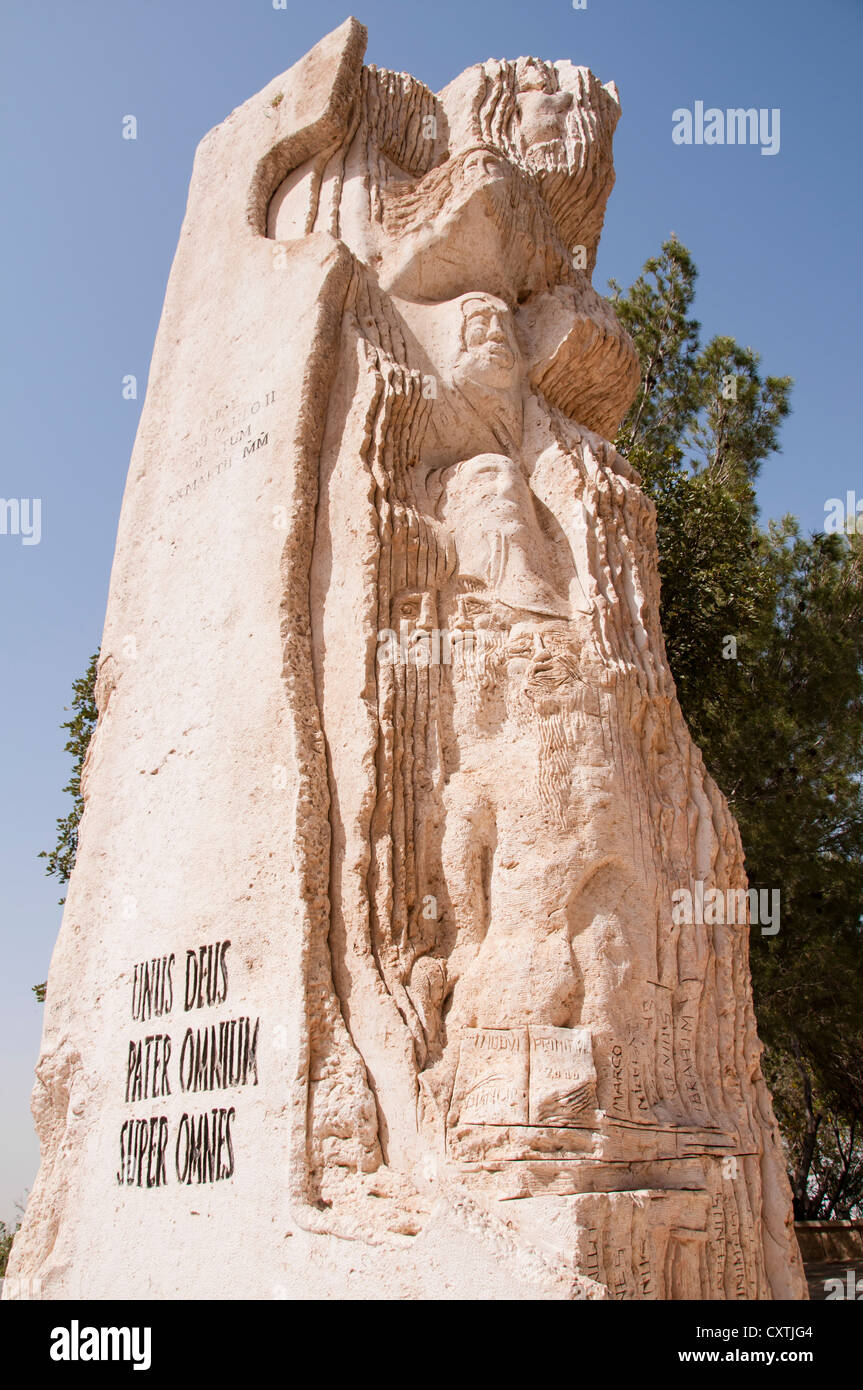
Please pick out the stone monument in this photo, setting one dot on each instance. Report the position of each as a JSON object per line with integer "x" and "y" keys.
{"x": 369, "y": 983}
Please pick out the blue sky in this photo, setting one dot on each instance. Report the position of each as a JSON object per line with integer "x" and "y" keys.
{"x": 91, "y": 223}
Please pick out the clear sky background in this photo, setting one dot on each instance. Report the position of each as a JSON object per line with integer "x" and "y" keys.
{"x": 90, "y": 224}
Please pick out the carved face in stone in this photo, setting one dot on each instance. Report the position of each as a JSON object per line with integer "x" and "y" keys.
{"x": 483, "y": 167}
{"x": 414, "y": 620}
{"x": 546, "y": 657}
{"x": 543, "y": 117}
{"x": 542, "y": 113}
{"x": 488, "y": 506}
{"x": 491, "y": 487}
{"x": 490, "y": 354}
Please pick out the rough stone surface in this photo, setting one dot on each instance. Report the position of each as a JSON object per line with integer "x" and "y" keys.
{"x": 368, "y": 983}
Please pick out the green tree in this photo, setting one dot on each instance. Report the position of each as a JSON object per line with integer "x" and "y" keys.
{"x": 764, "y": 636}
{"x": 655, "y": 311}
{"x": 7, "y": 1235}
{"x": 698, "y": 431}
{"x": 795, "y": 750}
{"x": 61, "y": 859}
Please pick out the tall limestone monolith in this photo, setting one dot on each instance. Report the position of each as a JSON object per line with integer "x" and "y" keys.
{"x": 372, "y": 979}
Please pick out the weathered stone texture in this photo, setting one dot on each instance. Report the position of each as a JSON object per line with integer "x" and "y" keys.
{"x": 384, "y": 705}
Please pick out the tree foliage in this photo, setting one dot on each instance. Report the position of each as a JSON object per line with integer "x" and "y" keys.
{"x": 764, "y": 633}
{"x": 61, "y": 859}
{"x": 7, "y": 1235}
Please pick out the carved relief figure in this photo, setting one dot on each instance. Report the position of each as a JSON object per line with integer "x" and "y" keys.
{"x": 521, "y": 795}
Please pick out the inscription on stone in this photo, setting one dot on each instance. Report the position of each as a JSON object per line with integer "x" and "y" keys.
{"x": 224, "y": 439}
{"x": 562, "y": 1081}
{"x": 215, "y": 1056}
{"x": 538, "y": 1075}
{"x": 492, "y": 1078}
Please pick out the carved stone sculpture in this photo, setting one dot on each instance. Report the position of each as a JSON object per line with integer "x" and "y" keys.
{"x": 391, "y": 792}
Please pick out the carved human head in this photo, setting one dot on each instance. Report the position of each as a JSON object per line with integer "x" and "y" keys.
{"x": 489, "y": 350}
{"x": 488, "y": 490}
{"x": 541, "y": 109}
